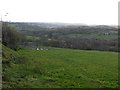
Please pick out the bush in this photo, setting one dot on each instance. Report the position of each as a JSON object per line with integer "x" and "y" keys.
{"x": 10, "y": 37}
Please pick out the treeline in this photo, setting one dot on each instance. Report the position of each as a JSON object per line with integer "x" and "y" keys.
{"x": 82, "y": 44}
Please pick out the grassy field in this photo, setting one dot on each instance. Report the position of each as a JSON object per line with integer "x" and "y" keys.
{"x": 63, "y": 68}
{"x": 73, "y": 68}
{"x": 91, "y": 36}
{"x": 32, "y": 38}
{"x": 59, "y": 68}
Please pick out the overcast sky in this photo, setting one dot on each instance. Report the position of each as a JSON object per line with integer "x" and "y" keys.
{"x": 102, "y": 12}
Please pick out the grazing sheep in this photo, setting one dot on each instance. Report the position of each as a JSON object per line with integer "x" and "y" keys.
{"x": 37, "y": 48}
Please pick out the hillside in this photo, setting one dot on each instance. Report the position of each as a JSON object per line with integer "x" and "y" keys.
{"x": 10, "y": 60}
{"x": 73, "y": 36}
{"x": 61, "y": 68}
{"x": 8, "y": 55}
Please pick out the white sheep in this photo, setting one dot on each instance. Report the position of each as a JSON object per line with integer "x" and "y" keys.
{"x": 37, "y": 48}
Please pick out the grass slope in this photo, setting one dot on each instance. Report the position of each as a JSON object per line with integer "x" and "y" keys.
{"x": 9, "y": 55}
{"x": 73, "y": 68}
{"x": 64, "y": 68}
{"x": 10, "y": 60}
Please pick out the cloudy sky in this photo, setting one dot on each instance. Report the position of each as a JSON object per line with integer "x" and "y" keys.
{"x": 91, "y": 12}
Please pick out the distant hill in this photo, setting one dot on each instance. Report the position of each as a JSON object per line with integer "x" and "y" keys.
{"x": 67, "y": 35}
{"x": 41, "y": 25}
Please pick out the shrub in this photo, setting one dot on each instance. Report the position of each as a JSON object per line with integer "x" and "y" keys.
{"x": 10, "y": 37}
